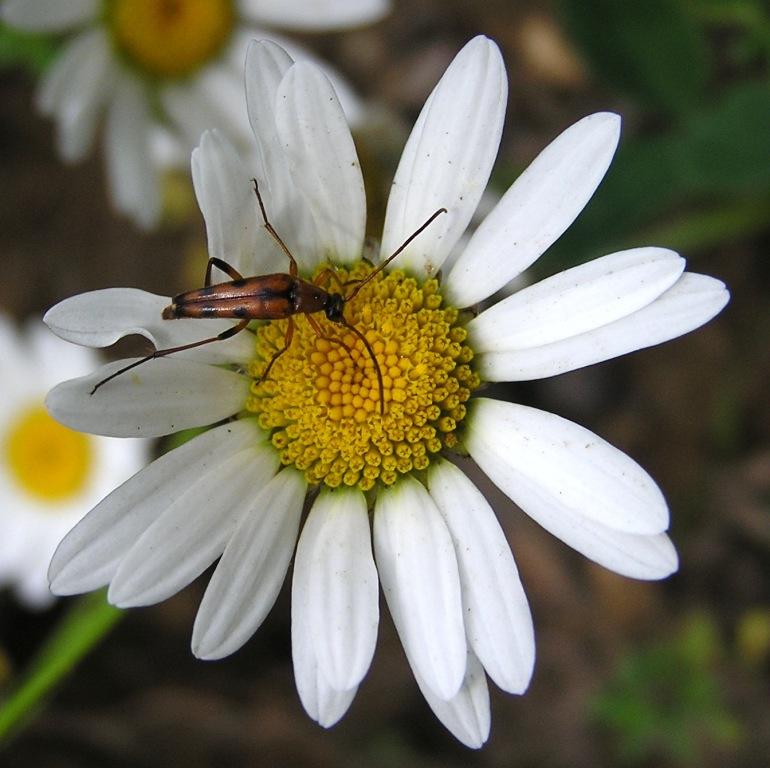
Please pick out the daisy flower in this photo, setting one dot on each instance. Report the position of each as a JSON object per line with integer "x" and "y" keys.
{"x": 159, "y": 72}
{"x": 387, "y": 503}
{"x": 50, "y": 476}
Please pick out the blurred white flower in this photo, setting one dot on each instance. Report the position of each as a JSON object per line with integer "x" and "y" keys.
{"x": 50, "y": 476}
{"x": 160, "y": 72}
{"x": 238, "y": 490}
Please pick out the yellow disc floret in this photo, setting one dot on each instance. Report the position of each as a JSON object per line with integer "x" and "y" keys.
{"x": 170, "y": 38}
{"x": 45, "y": 459}
{"x": 321, "y": 400}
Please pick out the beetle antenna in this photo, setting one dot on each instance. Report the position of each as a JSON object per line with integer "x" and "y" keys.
{"x": 226, "y": 334}
{"x": 398, "y": 250}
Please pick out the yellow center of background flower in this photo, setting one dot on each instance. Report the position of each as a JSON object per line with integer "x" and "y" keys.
{"x": 321, "y": 400}
{"x": 170, "y": 38}
{"x": 47, "y": 460}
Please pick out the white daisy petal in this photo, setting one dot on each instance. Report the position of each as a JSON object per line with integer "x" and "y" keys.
{"x": 335, "y": 553}
{"x": 352, "y": 104}
{"x": 418, "y": 569}
{"x": 638, "y": 557}
{"x": 189, "y": 109}
{"x": 536, "y": 210}
{"x": 75, "y": 90}
{"x": 498, "y": 623}
{"x": 581, "y": 473}
{"x": 253, "y": 567}
{"x": 222, "y": 85}
{"x": 89, "y": 555}
{"x": 132, "y": 176}
{"x": 100, "y": 318}
{"x": 168, "y": 150}
{"x": 315, "y": 16}
{"x": 55, "y": 84}
{"x": 32, "y": 523}
{"x": 32, "y": 589}
{"x": 266, "y": 65}
{"x": 467, "y": 714}
{"x": 242, "y": 37}
{"x": 322, "y": 160}
{"x": 45, "y": 16}
{"x": 577, "y": 300}
{"x": 16, "y": 368}
{"x": 326, "y": 705}
{"x": 11, "y": 544}
{"x": 213, "y": 99}
{"x": 56, "y": 360}
{"x": 692, "y": 301}
{"x": 71, "y": 65}
{"x": 226, "y": 198}
{"x": 632, "y": 555}
{"x": 192, "y": 531}
{"x": 157, "y": 398}
{"x": 447, "y": 161}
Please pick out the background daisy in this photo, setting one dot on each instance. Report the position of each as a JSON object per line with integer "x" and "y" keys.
{"x": 50, "y": 476}
{"x": 158, "y": 73}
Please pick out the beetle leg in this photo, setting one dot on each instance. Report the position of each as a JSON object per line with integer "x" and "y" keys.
{"x": 229, "y": 270}
{"x": 328, "y": 273}
{"x": 286, "y": 342}
{"x": 331, "y": 273}
{"x": 226, "y": 334}
{"x": 293, "y": 270}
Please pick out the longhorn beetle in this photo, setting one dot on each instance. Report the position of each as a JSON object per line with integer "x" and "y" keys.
{"x": 270, "y": 297}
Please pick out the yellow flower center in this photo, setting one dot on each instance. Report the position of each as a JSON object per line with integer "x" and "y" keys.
{"x": 170, "y": 38}
{"x": 47, "y": 460}
{"x": 321, "y": 399}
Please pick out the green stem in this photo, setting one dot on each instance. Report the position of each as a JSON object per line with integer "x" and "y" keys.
{"x": 89, "y": 620}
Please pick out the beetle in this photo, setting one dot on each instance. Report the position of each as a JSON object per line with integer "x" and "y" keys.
{"x": 277, "y": 296}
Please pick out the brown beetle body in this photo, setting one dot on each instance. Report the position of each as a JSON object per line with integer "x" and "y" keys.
{"x": 266, "y": 297}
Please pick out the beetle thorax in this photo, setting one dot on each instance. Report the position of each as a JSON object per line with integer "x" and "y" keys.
{"x": 308, "y": 298}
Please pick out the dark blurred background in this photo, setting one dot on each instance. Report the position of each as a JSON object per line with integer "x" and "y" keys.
{"x": 628, "y": 673}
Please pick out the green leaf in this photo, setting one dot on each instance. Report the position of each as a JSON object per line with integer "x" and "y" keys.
{"x": 715, "y": 161}
{"x": 652, "y": 50}
{"x": 665, "y": 704}
{"x": 751, "y": 17}
{"x": 726, "y": 148}
{"x": 25, "y": 49}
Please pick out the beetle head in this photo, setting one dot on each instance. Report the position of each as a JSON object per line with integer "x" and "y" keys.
{"x": 335, "y": 304}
